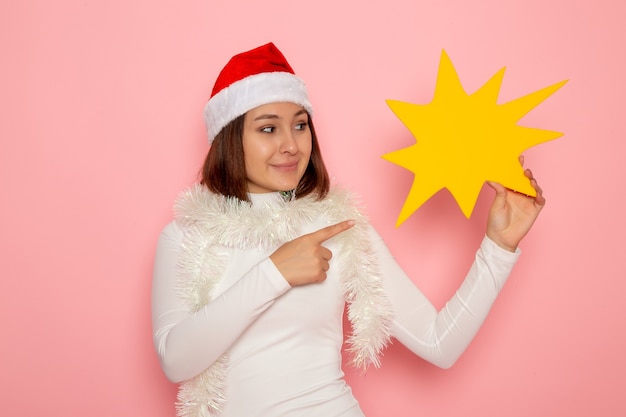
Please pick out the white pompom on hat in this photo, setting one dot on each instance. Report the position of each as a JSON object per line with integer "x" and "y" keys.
{"x": 251, "y": 79}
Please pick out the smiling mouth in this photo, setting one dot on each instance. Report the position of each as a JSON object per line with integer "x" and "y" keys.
{"x": 286, "y": 167}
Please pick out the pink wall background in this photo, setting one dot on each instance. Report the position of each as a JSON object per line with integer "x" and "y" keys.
{"x": 100, "y": 128}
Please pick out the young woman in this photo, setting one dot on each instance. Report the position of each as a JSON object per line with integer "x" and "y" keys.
{"x": 252, "y": 277}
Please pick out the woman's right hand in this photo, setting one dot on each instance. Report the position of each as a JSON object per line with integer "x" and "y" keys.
{"x": 305, "y": 260}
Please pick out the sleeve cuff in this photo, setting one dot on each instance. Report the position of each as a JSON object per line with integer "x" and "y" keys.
{"x": 490, "y": 248}
{"x": 274, "y": 276}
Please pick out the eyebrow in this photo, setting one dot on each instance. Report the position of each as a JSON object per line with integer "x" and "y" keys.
{"x": 275, "y": 116}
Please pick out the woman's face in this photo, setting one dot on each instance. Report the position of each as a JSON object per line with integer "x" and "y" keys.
{"x": 276, "y": 146}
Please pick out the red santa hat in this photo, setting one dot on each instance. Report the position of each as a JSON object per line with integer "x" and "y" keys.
{"x": 251, "y": 79}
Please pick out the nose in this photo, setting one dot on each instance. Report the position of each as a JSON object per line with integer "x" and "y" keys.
{"x": 288, "y": 143}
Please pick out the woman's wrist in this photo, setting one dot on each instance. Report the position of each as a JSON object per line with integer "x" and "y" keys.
{"x": 498, "y": 241}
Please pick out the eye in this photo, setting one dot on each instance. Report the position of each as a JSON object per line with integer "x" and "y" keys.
{"x": 301, "y": 126}
{"x": 268, "y": 129}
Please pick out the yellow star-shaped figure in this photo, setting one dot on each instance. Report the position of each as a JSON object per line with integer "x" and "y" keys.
{"x": 464, "y": 140}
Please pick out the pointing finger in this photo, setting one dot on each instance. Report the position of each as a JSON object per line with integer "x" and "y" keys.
{"x": 330, "y": 231}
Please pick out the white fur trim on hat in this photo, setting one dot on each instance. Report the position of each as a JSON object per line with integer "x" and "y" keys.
{"x": 250, "y": 92}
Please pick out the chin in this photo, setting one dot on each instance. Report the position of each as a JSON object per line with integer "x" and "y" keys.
{"x": 288, "y": 185}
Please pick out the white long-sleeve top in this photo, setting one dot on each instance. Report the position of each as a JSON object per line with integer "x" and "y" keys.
{"x": 284, "y": 344}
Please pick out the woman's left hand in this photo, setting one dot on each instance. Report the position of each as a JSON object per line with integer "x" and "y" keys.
{"x": 512, "y": 214}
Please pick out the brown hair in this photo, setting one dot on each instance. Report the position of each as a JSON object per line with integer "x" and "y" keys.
{"x": 224, "y": 169}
